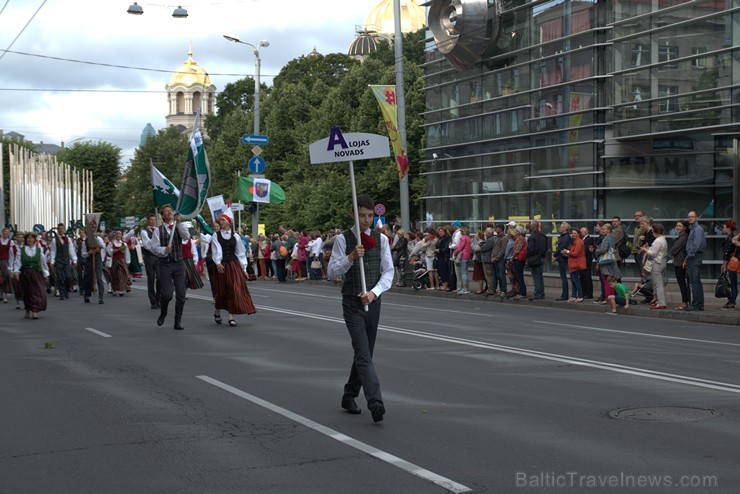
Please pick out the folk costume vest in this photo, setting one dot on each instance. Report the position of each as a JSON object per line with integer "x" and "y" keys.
{"x": 5, "y": 249}
{"x": 175, "y": 254}
{"x": 228, "y": 247}
{"x": 33, "y": 261}
{"x": 352, "y": 280}
{"x": 62, "y": 254}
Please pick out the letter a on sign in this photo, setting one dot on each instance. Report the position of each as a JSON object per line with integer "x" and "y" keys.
{"x": 335, "y": 138}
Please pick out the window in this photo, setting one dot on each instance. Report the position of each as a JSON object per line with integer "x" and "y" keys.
{"x": 667, "y": 53}
{"x": 698, "y": 62}
{"x": 668, "y": 104}
{"x": 640, "y": 55}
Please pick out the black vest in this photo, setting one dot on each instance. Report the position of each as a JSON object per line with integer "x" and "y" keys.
{"x": 352, "y": 280}
{"x": 62, "y": 256}
{"x": 175, "y": 254}
{"x": 228, "y": 247}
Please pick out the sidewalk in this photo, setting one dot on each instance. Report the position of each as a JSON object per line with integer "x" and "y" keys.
{"x": 711, "y": 314}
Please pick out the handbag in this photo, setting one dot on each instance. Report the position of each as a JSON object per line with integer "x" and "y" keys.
{"x": 722, "y": 288}
{"x": 608, "y": 256}
{"x": 534, "y": 261}
{"x": 315, "y": 264}
{"x": 734, "y": 263}
{"x": 648, "y": 266}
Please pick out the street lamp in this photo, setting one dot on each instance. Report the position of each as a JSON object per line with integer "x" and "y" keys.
{"x": 178, "y": 13}
{"x": 256, "y": 51}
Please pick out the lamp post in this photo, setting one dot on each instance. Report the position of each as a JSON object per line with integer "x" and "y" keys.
{"x": 257, "y": 62}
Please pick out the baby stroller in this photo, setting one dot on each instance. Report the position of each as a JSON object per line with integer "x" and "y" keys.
{"x": 644, "y": 288}
{"x": 421, "y": 276}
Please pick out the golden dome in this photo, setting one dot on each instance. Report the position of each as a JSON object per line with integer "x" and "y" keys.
{"x": 381, "y": 19}
{"x": 189, "y": 74}
{"x": 365, "y": 43}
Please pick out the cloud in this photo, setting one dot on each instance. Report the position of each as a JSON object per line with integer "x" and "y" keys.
{"x": 102, "y": 32}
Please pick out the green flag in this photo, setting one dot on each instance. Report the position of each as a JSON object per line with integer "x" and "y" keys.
{"x": 165, "y": 192}
{"x": 196, "y": 177}
{"x": 246, "y": 191}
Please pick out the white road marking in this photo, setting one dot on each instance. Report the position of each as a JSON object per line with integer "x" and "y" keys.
{"x": 343, "y": 438}
{"x": 595, "y": 364}
{"x": 99, "y": 333}
{"x": 650, "y": 335}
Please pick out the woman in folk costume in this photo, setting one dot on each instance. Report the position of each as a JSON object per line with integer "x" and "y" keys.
{"x": 190, "y": 257}
{"x": 230, "y": 277}
{"x": 5, "y": 244}
{"x": 15, "y": 251}
{"x": 134, "y": 250}
{"x": 32, "y": 271}
{"x": 118, "y": 270}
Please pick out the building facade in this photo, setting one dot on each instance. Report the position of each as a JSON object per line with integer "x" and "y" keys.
{"x": 189, "y": 89}
{"x": 582, "y": 110}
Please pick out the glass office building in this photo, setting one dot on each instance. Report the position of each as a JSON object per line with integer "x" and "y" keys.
{"x": 579, "y": 111}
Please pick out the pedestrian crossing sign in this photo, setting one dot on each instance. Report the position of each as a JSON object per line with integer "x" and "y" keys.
{"x": 379, "y": 222}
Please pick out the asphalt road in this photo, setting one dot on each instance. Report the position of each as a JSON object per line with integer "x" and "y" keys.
{"x": 480, "y": 397}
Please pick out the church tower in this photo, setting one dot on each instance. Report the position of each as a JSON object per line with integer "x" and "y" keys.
{"x": 190, "y": 88}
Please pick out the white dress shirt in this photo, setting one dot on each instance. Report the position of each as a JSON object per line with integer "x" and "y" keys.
{"x": 30, "y": 252}
{"x": 161, "y": 250}
{"x": 339, "y": 263}
{"x": 72, "y": 250}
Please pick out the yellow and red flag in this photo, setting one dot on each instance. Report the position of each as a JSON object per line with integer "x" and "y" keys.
{"x": 386, "y": 96}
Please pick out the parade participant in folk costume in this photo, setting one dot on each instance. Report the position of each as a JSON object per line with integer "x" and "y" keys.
{"x": 170, "y": 265}
{"x": 206, "y": 242}
{"x": 118, "y": 270}
{"x": 81, "y": 239}
{"x": 32, "y": 271}
{"x": 134, "y": 249}
{"x": 5, "y": 284}
{"x": 64, "y": 257}
{"x": 15, "y": 251}
{"x": 230, "y": 276}
{"x": 151, "y": 260}
{"x": 347, "y": 253}
{"x": 189, "y": 258}
{"x": 93, "y": 252}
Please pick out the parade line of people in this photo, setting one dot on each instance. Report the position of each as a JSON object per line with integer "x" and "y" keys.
{"x": 489, "y": 262}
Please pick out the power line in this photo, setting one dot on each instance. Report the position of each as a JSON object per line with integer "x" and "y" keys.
{"x": 129, "y": 67}
{"x": 24, "y": 28}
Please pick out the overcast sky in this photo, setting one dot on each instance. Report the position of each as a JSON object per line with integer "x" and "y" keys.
{"x": 55, "y": 100}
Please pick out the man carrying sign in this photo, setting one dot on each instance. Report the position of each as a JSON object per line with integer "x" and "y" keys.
{"x": 347, "y": 254}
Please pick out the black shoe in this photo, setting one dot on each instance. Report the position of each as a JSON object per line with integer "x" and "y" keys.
{"x": 377, "y": 410}
{"x": 160, "y": 319}
{"x": 101, "y": 301}
{"x": 350, "y": 405}
{"x": 87, "y": 300}
{"x": 178, "y": 326}
{"x": 561, "y": 299}
{"x": 154, "y": 306}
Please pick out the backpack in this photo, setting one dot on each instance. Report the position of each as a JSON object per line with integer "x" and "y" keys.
{"x": 624, "y": 249}
{"x": 283, "y": 252}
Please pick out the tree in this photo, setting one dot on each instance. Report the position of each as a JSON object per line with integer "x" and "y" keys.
{"x": 168, "y": 151}
{"x": 102, "y": 160}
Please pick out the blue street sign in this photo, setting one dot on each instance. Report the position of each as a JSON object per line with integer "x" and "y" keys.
{"x": 257, "y": 164}
{"x": 379, "y": 222}
{"x": 254, "y": 139}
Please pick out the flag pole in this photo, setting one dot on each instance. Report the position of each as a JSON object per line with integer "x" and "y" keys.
{"x": 357, "y": 226}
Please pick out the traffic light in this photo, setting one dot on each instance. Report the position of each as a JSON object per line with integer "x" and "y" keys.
{"x": 252, "y": 207}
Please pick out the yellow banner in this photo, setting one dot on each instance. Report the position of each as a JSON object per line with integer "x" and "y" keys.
{"x": 386, "y": 96}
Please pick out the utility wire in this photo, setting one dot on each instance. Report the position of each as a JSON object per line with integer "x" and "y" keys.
{"x": 145, "y": 69}
{"x": 24, "y": 28}
{"x": 6, "y": 4}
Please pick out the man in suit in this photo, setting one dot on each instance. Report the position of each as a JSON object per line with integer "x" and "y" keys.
{"x": 374, "y": 252}
{"x": 151, "y": 260}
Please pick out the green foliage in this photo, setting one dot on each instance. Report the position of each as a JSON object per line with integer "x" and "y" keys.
{"x": 167, "y": 151}
{"x": 102, "y": 159}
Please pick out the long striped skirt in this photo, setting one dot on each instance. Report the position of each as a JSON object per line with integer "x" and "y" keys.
{"x": 230, "y": 289}
{"x": 33, "y": 287}
{"x": 5, "y": 284}
{"x": 192, "y": 277}
{"x": 119, "y": 275}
